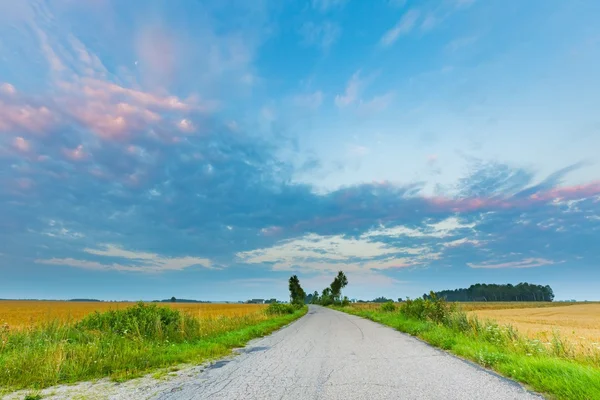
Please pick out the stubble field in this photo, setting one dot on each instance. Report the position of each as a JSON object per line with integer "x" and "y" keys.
{"x": 578, "y": 323}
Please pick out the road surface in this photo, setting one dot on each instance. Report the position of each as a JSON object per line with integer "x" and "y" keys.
{"x": 331, "y": 355}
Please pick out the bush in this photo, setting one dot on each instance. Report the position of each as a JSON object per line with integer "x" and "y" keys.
{"x": 281, "y": 309}
{"x": 434, "y": 309}
{"x": 388, "y": 307}
{"x": 143, "y": 321}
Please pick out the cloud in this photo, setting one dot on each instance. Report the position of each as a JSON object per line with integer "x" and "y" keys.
{"x": 317, "y": 253}
{"x": 18, "y": 116}
{"x": 322, "y": 35}
{"x": 21, "y": 144}
{"x": 404, "y": 26}
{"x": 8, "y": 89}
{"x": 525, "y": 263}
{"x": 310, "y": 100}
{"x": 463, "y": 241}
{"x": 429, "y": 22}
{"x": 376, "y": 104}
{"x": 351, "y": 93}
{"x": 460, "y": 43}
{"x": 135, "y": 261}
{"x": 326, "y": 5}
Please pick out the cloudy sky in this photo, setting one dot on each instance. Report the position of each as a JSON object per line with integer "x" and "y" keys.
{"x": 210, "y": 149}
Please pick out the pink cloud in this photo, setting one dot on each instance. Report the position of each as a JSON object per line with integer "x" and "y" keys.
{"x": 76, "y": 154}
{"x": 8, "y": 89}
{"x": 185, "y": 125}
{"x": 21, "y": 144}
{"x": 25, "y": 118}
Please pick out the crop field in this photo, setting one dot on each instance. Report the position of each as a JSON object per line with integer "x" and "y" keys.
{"x": 579, "y": 323}
{"x": 23, "y": 314}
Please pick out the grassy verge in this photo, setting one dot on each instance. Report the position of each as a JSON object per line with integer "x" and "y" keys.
{"x": 124, "y": 344}
{"x": 550, "y": 368}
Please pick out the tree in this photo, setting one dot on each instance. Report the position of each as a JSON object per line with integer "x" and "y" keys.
{"x": 297, "y": 294}
{"x": 492, "y": 292}
{"x": 173, "y": 299}
{"x": 339, "y": 282}
{"x": 315, "y": 298}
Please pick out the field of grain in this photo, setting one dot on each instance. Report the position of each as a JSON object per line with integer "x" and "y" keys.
{"x": 578, "y": 323}
{"x": 21, "y": 314}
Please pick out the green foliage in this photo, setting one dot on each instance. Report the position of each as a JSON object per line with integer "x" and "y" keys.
{"x": 282, "y": 309}
{"x": 333, "y": 294}
{"x": 433, "y": 309}
{"x": 297, "y": 294}
{"x": 123, "y": 345}
{"x": 381, "y": 300}
{"x": 33, "y": 397}
{"x": 492, "y": 292}
{"x": 388, "y": 307}
{"x": 145, "y": 321}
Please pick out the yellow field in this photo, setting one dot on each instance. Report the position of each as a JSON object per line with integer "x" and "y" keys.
{"x": 20, "y": 314}
{"x": 579, "y": 323}
{"x": 506, "y": 305}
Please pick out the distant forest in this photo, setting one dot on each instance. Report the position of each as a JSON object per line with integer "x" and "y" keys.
{"x": 483, "y": 292}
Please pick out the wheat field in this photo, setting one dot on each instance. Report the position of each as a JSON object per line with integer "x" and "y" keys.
{"x": 579, "y": 323}
{"x": 18, "y": 314}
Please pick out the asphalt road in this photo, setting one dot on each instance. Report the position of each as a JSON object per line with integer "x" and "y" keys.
{"x": 332, "y": 355}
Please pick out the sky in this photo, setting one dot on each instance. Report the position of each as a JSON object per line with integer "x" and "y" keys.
{"x": 211, "y": 149}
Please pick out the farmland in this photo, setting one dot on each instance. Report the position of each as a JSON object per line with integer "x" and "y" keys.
{"x": 48, "y": 343}
{"x": 578, "y": 323}
{"x": 23, "y": 313}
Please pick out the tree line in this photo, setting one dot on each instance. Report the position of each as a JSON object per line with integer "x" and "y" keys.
{"x": 492, "y": 292}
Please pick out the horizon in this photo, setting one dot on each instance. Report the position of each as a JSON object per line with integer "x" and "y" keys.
{"x": 212, "y": 149}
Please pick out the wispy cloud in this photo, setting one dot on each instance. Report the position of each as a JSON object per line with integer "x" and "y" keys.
{"x": 135, "y": 261}
{"x": 403, "y": 27}
{"x": 525, "y": 263}
{"x": 316, "y": 253}
{"x": 326, "y": 5}
{"x": 351, "y": 93}
{"x": 322, "y": 35}
{"x": 460, "y": 43}
{"x": 309, "y": 100}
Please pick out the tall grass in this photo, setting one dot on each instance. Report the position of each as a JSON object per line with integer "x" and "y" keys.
{"x": 123, "y": 344}
{"x": 554, "y": 368}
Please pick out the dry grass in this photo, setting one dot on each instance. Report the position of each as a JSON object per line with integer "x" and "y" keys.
{"x": 578, "y": 323}
{"x": 23, "y": 314}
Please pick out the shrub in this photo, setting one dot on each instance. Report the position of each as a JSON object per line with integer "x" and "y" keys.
{"x": 143, "y": 321}
{"x": 388, "y": 307}
{"x": 435, "y": 309}
{"x": 281, "y": 309}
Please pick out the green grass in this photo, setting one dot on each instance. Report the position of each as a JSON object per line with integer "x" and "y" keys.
{"x": 124, "y": 344}
{"x": 553, "y": 370}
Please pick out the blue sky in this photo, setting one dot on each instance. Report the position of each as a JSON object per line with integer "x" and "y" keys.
{"x": 210, "y": 149}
